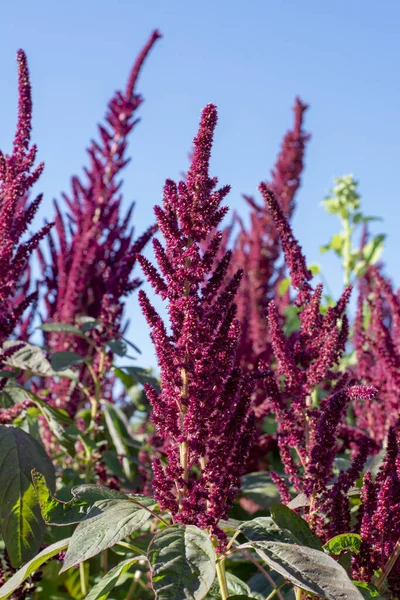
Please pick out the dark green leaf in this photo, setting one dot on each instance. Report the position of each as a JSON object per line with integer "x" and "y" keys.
{"x": 308, "y": 569}
{"x": 107, "y": 583}
{"x": 142, "y": 376}
{"x": 63, "y": 360}
{"x": 107, "y": 523}
{"x": 22, "y": 526}
{"x": 260, "y": 488}
{"x": 29, "y": 358}
{"x": 118, "y": 347}
{"x": 61, "y": 328}
{"x": 368, "y": 590}
{"x": 33, "y": 565}
{"x": 265, "y": 529}
{"x": 346, "y": 541}
{"x": 298, "y": 527}
{"x": 59, "y": 422}
{"x": 56, "y": 512}
{"x": 90, "y": 493}
{"x": 182, "y": 560}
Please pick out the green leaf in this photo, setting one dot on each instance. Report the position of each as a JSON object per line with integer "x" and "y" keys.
{"x": 57, "y": 512}
{"x": 314, "y": 268}
{"x": 61, "y": 328}
{"x": 283, "y": 286}
{"x": 29, "y": 358}
{"x": 344, "y": 542}
{"x": 107, "y": 583}
{"x": 21, "y": 522}
{"x": 287, "y": 519}
{"x": 59, "y": 422}
{"x": 182, "y": 560}
{"x": 118, "y": 428}
{"x": 118, "y": 347}
{"x": 260, "y": 488}
{"x": 368, "y": 590}
{"x": 240, "y": 597}
{"x": 107, "y": 523}
{"x": 33, "y": 565}
{"x": 265, "y": 529}
{"x": 63, "y": 360}
{"x": 142, "y": 376}
{"x": 309, "y": 569}
{"x": 90, "y": 493}
{"x": 236, "y": 587}
{"x": 11, "y": 394}
{"x": 372, "y": 251}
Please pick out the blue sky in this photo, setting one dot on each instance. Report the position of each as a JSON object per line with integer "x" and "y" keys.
{"x": 251, "y": 59}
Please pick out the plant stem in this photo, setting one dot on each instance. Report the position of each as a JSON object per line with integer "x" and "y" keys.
{"x": 104, "y": 561}
{"x": 276, "y": 590}
{"x": 220, "y": 566}
{"x": 389, "y": 565}
{"x": 133, "y": 585}
{"x": 82, "y": 574}
{"x": 262, "y": 570}
{"x": 299, "y": 593}
{"x": 347, "y": 250}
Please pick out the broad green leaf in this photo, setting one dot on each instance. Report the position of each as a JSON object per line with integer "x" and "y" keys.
{"x": 107, "y": 583}
{"x": 107, "y": 523}
{"x": 260, "y": 488}
{"x": 11, "y": 394}
{"x": 29, "y": 358}
{"x": 21, "y": 522}
{"x": 33, "y": 565}
{"x": 63, "y": 360}
{"x": 265, "y": 529}
{"x": 142, "y": 376}
{"x": 240, "y": 597}
{"x": 299, "y": 529}
{"x": 299, "y": 501}
{"x": 344, "y": 542}
{"x": 90, "y": 493}
{"x": 309, "y": 569}
{"x": 118, "y": 347}
{"x": 61, "y": 328}
{"x": 59, "y": 422}
{"x": 368, "y": 590}
{"x": 236, "y": 589}
{"x": 56, "y": 512}
{"x": 182, "y": 560}
{"x": 118, "y": 428}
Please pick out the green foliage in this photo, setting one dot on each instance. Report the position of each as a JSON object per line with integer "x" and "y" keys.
{"x": 350, "y": 542}
{"x": 20, "y": 576}
{"x": 107, "y": 523}
{"x": 182, "y": 560}
{"x": 22, "y": 526}
{"x": 107, "y": 583}
{"x": 344, "y": 202}
{"x": 299, "y": 529}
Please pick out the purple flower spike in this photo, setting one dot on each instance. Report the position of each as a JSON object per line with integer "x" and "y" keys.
{"x": 203, "y": 410}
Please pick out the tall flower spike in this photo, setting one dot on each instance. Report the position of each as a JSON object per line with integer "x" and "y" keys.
{"x": 93, "y": 257}
{"x": 17, "y": 176}
{"x": 203, "y": 409}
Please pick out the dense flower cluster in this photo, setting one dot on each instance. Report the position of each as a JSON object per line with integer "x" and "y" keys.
{"x": 202, "y": 410}
{"x": 92, "y": 253}
{"x": 376, "y": 341}
{"x": 17, "y": 176}
{"x": 307, "y": 359}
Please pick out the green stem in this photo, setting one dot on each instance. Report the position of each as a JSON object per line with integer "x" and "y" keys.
{"x": 347, "y": 250}
{"x": 82, "y": 574}
{"x": 220, "y": 566}
{"x": 299, "y": 593}
{"x": 276, "y": 590}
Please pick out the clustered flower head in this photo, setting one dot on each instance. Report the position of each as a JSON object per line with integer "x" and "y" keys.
{"x": 379, "y": 522}
{"x": 308, "y": 433}
{"x": 202, "y": 411}
{"x": 377, "y": 345}
{"x": 92, "y": 253}
{"x": 17, "y": 176}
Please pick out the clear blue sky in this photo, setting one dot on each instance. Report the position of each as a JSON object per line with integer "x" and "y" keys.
{"x": 251, "y": 59}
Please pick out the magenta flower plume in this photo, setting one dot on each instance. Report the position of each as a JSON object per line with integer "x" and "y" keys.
{"x": 202, "y": 410}
{"x": 377, "y": 345}
{"x": 17, "y": 175}
{"x": 93, "y": 254}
